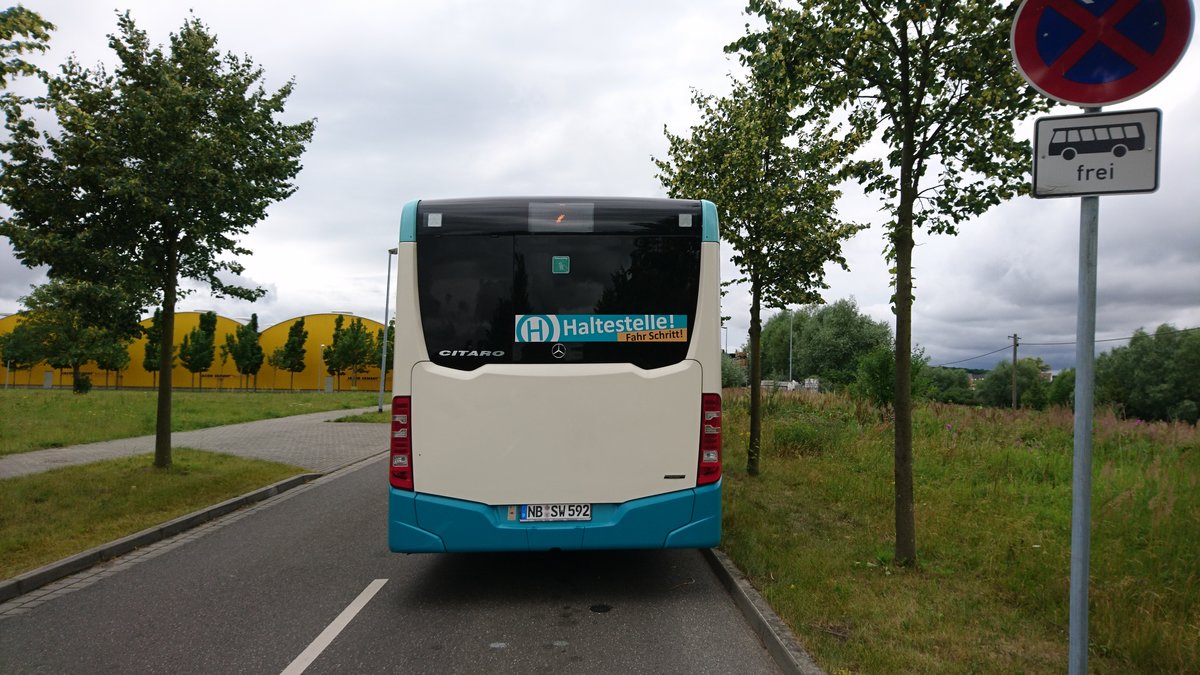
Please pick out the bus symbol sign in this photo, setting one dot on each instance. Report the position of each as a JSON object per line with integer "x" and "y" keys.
{"x": 1103, "y": 153}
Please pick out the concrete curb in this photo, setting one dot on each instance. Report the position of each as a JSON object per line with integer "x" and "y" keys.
{"x": 781, "y": 644}
{"x": 24, "y": 583}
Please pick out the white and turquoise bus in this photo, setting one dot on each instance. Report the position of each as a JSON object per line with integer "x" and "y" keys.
{"x": 557, "y": 376}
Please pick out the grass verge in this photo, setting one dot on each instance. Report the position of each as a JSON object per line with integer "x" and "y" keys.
{"x": 368, "y": 418}
{"x": 37, "y": 419}
{"x": 48, "y": 516}
{"x": 814, "y": 532}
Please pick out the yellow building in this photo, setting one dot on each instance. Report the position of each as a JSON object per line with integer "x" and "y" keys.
{"x": 223, "y": 374}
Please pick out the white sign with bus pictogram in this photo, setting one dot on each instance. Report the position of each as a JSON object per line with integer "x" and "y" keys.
{"x": 1097, "y": 154}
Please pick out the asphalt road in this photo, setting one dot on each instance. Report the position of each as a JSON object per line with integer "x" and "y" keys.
{"x": 271, "y": 587}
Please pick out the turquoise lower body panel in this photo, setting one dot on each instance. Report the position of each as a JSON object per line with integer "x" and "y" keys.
{"x": 420, "y": 523}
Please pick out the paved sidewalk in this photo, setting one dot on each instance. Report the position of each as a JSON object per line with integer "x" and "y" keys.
{"x": 309, "y": 441}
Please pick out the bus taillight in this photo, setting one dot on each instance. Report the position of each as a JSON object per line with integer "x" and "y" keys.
{"x": 710, "y": 440}
{"x": 400, "y": 460}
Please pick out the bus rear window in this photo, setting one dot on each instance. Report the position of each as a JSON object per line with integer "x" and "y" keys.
{"x": 548, "y": 290}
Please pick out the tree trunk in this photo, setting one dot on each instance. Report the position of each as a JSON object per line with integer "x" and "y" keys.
{"x": 162, "y": 429}
{"x": 906, "y": 533}
{"x": 753, "y": 451}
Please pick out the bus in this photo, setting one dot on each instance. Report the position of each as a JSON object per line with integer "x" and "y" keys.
{"x": 1118, "y": 139}
{"x": 557, "y": 381}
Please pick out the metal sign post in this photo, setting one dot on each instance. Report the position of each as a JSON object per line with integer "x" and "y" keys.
{"x": 1091, "y": 54}
{"x": 1081, "y": 463}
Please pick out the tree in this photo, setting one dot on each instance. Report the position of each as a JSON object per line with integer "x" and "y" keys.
{"x": 153, "y": 174}
{"x": 1155, "y": 377}
{"x": 14, "y": 22}
{"x": 153, "y": 347}
{"x": 74, "y": 322}
{"x": 20, "y": 349}
{"x": 834, "y": 339}
{"x": 382, "y": 339}
{"x": 948, "y": 385}
{"x": 351, "y": 349}
{"x": 1062, "y": 389}
{"x": 996, "y": 387}
{"x": 114, "y": 359}
{"x": 290, "y": 356}
{"x": 827, "y": 342}
{"x": 335, "y": 362}
{"x": 244, "y": 347}
{"x": 875, "y": 376}
{"x": 200, "y": 347}
{"x": 935, "y": 84}
{"x": 771, "y": 178}
{"x": 732, "y": 372}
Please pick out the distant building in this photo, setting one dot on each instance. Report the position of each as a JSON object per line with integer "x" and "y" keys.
{"x": 220, "y": 375}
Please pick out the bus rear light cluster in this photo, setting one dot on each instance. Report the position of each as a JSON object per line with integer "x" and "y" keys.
{"x": 710, "y": 440}
{"x": 400, "y": 460}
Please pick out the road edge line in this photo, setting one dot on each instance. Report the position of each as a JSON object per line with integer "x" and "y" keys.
{"x": 781, "y": 644}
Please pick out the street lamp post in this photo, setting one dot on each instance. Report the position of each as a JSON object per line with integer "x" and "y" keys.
{"x": 791, "y": 321}
{"x": 320, "y": 360}
{"x": 726, "y": 329}
{"x": 387, "y": 296}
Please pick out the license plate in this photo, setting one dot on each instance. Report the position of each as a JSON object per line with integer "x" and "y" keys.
{"x": 540, "y": 513}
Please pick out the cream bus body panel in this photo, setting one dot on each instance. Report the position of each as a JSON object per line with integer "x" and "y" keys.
{"x": 707, "y": 333}
{"x": 534, "y": 434}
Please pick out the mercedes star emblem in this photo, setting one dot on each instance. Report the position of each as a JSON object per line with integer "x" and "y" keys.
{"x": 558, "y": 350}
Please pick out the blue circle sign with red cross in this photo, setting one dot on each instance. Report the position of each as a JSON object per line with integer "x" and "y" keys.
{"x": 1096, "y": 52}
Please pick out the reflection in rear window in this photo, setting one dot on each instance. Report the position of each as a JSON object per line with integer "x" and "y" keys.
{"x": 616, "y": 295}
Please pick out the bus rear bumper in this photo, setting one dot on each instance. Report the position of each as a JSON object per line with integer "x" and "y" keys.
{"x": 420, "y": 523}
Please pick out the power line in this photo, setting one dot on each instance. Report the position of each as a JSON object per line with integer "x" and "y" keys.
{"x": 1060, "y": 344}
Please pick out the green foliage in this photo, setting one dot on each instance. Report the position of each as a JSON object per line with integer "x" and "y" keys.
{"x": 948, "y": 385}
{"x": 827, "y": 342}
{"x": 772, "y": 179}
{"x": 199, "y": 346}
{"x": 150, "y": 174}
{"x": 114, "y": 357}
{"x": 290, "y": 356}
{"x": 1155, "y": 377}
{"x": 996, "y": 387}
{"x": 995, "y": 493}
{"x": 934, "y": 84}
{"x": 153, "y": 347}
{"x": 245, "y": 348}
{"x": 350, "y": 351}
{"x": 380, "y": 340}
{"x": 20, "y": 349}
{"x": 20, "y": 22}
{"x": 1062, "y": 389}
{"x": 733, "y": 374}
{"x": 157, "y": 168}
{"x": 875, "y": 379}
{"x": 73, "y": 322}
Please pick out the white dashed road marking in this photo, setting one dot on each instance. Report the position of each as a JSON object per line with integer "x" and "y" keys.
{"x": 331, "y": 631}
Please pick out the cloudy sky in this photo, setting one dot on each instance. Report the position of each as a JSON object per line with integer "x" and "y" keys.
{"x": 455, "y": 98}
